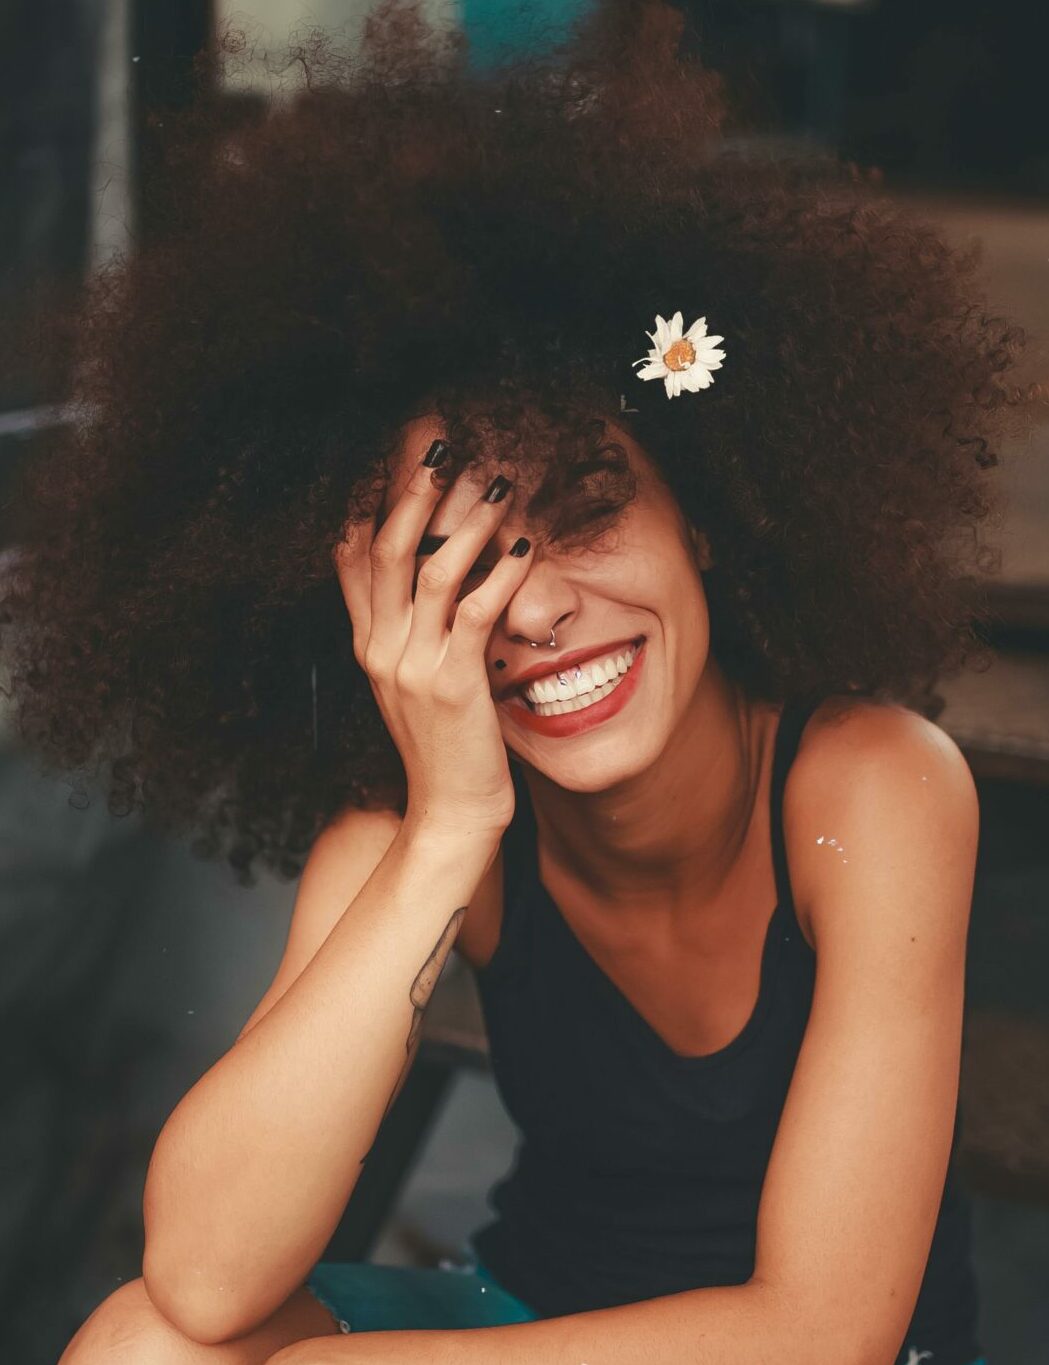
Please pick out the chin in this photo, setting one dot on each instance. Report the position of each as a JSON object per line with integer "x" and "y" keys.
{"x": 610, "y": 765}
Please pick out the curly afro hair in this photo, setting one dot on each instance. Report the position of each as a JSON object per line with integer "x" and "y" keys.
{"x": 406, "y": 234}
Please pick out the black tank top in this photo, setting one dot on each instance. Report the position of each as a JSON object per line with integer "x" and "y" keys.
{"x": 638, "y": 1171}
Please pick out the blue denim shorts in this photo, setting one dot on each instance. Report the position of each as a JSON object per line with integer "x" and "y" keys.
{"x": 384, "y": 1298}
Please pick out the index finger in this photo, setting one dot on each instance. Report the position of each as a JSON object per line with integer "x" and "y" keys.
{"x": 383, "y": 591}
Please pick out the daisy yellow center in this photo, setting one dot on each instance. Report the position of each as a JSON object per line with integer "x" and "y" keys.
{"x": 680, "y": 356}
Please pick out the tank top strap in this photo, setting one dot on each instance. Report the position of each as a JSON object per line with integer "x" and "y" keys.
{"x": 792, "y": 721}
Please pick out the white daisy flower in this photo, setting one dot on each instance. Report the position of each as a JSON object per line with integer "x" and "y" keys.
{"x": 682, "y": 362}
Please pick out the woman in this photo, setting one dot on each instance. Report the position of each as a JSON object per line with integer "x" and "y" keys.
{"x": 645, "y": 614}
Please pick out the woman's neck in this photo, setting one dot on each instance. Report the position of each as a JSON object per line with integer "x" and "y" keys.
{"x": 669, "y": 837}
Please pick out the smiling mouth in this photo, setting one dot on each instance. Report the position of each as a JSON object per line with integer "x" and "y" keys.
{"x": 519, "y": 692}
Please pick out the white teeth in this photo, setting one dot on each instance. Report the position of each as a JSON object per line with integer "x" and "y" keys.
{"x": 559, "y": 708}
{"x": 580, "y": 680}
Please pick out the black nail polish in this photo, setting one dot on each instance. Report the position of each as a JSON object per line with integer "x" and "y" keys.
{"x": 498, "y": 489}
{"x": 520, "y": 547}
{"x": 437, "y": 454}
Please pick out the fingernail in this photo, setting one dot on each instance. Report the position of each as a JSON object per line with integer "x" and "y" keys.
{"x": 437, "y": 454}
{"x": 520, "y": 547}
{"x": 497, "y": 489}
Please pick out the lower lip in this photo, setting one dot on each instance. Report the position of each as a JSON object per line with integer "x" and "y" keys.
{"x": 574, "y": 722}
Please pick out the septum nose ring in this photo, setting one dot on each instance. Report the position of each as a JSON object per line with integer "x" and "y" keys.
{"x": 501, "y": 663}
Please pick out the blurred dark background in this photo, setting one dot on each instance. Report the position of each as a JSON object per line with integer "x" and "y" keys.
{"x": 130, "y": 966}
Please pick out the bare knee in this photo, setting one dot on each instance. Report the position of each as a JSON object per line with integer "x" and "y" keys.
{"x": 127, "y": 1329}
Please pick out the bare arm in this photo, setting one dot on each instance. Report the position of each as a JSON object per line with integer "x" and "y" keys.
{"x": 253, "y": 1168}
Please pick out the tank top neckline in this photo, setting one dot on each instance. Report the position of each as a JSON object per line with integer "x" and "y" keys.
{"x": 782, "y": 926}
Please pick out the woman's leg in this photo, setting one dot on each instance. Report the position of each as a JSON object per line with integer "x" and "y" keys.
{"x": 125, "y": 1329}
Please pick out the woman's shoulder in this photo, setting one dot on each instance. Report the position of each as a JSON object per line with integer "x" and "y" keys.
{"x": 844, "y": 730}
{"x": 868, "y": 777}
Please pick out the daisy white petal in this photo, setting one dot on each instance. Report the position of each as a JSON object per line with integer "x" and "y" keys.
{"x": 684, "y": 361}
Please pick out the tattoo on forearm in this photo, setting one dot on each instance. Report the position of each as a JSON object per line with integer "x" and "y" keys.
{"x": 422, "y": 986}
{"x": 421, "y": 990}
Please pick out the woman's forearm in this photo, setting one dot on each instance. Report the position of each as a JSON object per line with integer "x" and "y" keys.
{"x": 747, "y": 1324}
{"x": 253, "y": 1168}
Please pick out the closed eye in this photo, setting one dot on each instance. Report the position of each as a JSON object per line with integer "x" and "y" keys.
{"x": 429, "y": 544}
{"x": 477, "y": 570}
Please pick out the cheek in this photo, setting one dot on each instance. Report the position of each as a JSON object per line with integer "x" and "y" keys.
{"x": 676, "y": 583}
{"x": 688, "y": 625}
{"x": 671, "y": 589}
